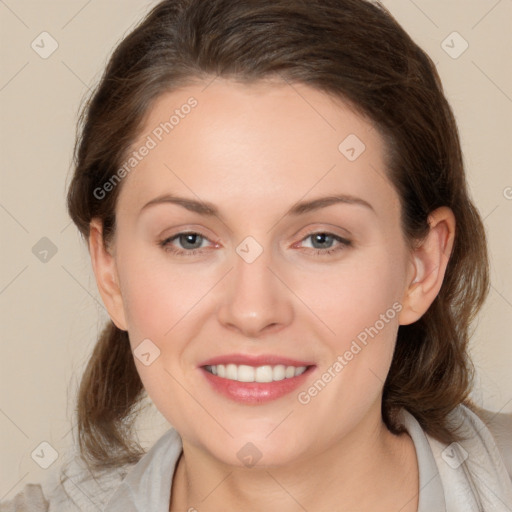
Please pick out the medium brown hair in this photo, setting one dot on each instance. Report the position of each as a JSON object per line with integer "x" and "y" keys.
{"x": 353, "y": 50}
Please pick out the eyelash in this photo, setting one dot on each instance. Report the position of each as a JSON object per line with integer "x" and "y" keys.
{"x": 165, "y": 244}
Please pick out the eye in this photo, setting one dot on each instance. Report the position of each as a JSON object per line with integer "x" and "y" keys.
{"x": 190, "y": 241}
{"x": 322, "y": 243}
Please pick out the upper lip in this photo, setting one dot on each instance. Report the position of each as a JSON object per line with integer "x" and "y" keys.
{"x": 254, "y": 360}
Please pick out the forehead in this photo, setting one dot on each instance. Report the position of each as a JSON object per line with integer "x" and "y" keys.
{"x": 254, "y": 144}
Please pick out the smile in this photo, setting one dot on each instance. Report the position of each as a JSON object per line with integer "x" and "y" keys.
{"x": 255, "y": 385}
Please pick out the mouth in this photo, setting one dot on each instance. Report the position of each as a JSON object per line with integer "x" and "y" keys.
{"x": 255, "y": 380}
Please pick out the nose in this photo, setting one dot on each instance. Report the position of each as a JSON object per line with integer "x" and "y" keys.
{"x": 255, "y": 299}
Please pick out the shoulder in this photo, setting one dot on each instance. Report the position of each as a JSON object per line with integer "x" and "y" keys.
{"x": 30, "y": 498}
{"x": 470, "y": 473}
{"x": 500, "y": 427}
{"x": 487, "y": 437}
{"x": 71, "y": 487}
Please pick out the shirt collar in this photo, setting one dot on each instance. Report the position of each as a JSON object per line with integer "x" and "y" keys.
{"x": 431, "y": 489}
{"x": 148, "y": 485}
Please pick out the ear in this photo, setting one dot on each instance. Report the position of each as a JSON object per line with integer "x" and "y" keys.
{"x": 429, "y": 261}
{"x": 105, "y": 270}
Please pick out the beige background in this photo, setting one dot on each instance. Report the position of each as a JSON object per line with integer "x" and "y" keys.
{"x": 50, "y": 310}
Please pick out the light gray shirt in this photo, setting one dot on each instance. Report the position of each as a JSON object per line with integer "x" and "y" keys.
{"x": 470, "y": 476}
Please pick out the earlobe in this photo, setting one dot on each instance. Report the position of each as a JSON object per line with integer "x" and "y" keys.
{"x": 430, "y": 260}
{"x": 105, "y": 271}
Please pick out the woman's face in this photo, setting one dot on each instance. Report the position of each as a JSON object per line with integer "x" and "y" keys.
{"x": 262, "y": 282}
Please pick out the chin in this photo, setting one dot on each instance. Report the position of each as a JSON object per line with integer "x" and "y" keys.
{"x": 250, "y": 451}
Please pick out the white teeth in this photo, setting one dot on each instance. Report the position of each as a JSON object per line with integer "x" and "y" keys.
{"x": 263, "y": 374}
{"x": 231, "y": 372}
{"x": 290, "y": 372}
{"x": 279, "y": 372}
{"x": 245, "y": 373}
{"x": 300, "y": 370}
{"x": 266, "y": 373}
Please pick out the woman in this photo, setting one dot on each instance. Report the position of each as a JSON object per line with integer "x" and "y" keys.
{"x": 296, "y": 375}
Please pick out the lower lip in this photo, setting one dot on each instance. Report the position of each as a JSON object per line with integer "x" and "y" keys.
{"x": 255, "y": 392}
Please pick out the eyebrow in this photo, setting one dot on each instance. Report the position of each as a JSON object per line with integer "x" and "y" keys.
{"x": 300, "y": 208}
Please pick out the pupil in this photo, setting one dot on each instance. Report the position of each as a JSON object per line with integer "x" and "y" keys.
{"x": 190, "y": 239}
{"x": 321, "y": 237}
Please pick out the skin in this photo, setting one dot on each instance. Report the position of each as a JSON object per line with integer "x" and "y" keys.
{"x": 254, "y": 151}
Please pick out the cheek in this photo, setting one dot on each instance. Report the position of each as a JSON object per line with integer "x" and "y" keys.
{"x": 353, "y": 296}
{"x": 149, "y": 302}
{"x": 160, "y": 306}
{"x": 359, "y": 304}
{"x": 359, "y": 307}
{"x": 156, "y": 295}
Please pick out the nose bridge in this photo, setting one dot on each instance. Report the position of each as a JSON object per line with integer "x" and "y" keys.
{"x": 255, "y": 298}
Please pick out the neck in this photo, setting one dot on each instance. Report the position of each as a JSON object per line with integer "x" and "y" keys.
{"x": 369, "y": 469}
